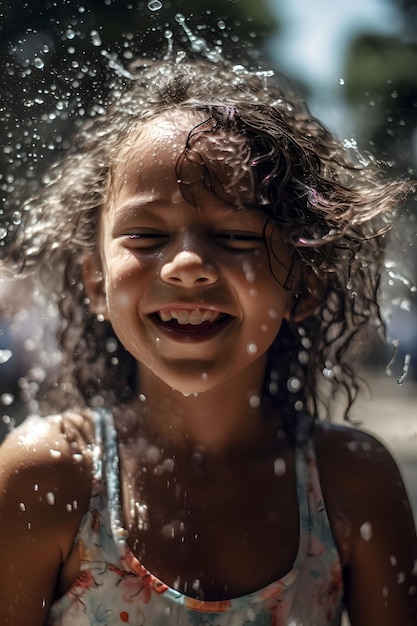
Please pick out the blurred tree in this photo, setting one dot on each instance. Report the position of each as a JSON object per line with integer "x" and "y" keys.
{"x": 381, "y": 84}
{"x": 381, "y": 87}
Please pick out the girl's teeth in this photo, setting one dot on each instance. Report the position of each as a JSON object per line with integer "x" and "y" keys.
{"x": 165, "y": 316}
{"x": 183, "y": 317}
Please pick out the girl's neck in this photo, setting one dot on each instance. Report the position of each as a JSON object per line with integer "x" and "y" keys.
{"x": 231, "y": 418}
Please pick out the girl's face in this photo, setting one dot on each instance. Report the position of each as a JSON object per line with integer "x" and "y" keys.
{"x": 192, "y": 292}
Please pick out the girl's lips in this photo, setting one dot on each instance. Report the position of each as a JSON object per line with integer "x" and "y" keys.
{"x": 176, "y": 328}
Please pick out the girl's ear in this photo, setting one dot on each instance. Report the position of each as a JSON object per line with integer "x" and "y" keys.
{"x": 301, "y": 306}
{"x": 305, "y": 301}
{"x": 93, "y": 279}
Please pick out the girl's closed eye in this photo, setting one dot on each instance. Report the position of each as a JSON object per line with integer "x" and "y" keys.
{"x": 144, "y": 238}
{"x": 240, "y": 240}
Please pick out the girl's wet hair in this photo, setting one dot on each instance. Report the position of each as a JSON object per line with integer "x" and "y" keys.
{"x": 256, "y": 145}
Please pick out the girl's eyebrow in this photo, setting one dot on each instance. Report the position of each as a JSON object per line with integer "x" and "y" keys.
{"x": 140, "y": 205}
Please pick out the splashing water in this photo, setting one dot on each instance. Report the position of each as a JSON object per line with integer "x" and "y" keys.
{"x": 198, "y": 44}
{"x": 406, "y": 366}
{"x": 154, "y": 5}
{"x": 95, "y": 38}
{"x": 352, "y": 144}
{"x": 366, "y": 531}
{"x": 5, "y": 356}
{"x": 168, "y": 34}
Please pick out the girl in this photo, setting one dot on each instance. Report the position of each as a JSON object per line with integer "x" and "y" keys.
{"x": 215, "y": 257}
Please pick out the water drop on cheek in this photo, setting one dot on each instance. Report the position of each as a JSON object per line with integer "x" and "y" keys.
{"x": 176, "y": 197}
{"x": 249, "y": 273}
{"x": 252, "y": 348}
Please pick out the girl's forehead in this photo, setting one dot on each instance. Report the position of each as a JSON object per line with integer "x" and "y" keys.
{"x": 169, "y": 130}
{"x": 178, "y": 143}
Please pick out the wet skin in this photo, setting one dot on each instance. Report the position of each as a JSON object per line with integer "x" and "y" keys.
{"x": 163, "y": 261}
{"x": 160, "y": 254}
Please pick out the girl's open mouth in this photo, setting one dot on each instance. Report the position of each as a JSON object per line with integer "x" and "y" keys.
{"x": 193, "y": 324}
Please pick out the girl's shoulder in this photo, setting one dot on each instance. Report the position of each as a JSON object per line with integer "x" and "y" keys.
{"x": 355, "y": 464}
{"x": 362, "y": 487}
{"x": 58, "y": 442}
{"x": 45, "y": 484}
{"x": 352, "y": 451}
{"x": 46, "y": 472}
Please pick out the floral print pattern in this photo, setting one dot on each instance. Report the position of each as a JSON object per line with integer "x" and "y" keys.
{"x": 113, "y": 588}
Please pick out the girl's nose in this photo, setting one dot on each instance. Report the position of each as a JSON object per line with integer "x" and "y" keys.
{"x": 188, "y": 269}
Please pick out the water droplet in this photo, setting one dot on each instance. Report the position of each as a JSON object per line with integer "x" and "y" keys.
{"x": 294, "y": 385}
{"x": 168, "y": 531}
{"x": 366, "y": 531}
{"x": 252, "y": 348}
{"x": 95, "y": 38}
{"x": 221, "y": 24}
{"x": 55, "y": 453}
{"x": 303, "y": 357}
{"x": 5, "y": 355}
{"x": 7, "y": 399}
{"x": 168, "y": 36}
{"x": 279, "y": 467}
{"x": 404, "y": 372}
{"x": 22, "y": 507}
{"x": 50, "y": 498}
{"x": 254, "y": 401}
{"x": 154, "y": 5}
{"x": 341, "y": 81}
{"x": 39, "y": 63}
{"x": 153, "y": 454}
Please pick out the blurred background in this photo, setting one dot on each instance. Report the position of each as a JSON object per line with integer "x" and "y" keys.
{"x": 356, "y": 64}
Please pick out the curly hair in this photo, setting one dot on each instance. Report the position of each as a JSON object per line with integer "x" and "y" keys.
{"x": 333, "y": 210}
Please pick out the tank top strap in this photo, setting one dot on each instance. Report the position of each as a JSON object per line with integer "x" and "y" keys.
{"x": 314, "y": 521}
{"x": 111, "y": 476}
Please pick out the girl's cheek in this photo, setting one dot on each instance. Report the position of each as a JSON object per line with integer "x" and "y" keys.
{"x": 122, "y": 300}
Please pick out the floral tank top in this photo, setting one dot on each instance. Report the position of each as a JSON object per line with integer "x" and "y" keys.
{"x": 113, "y": 588}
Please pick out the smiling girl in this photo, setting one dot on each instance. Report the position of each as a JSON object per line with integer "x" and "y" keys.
{"x": 215, "y": 257}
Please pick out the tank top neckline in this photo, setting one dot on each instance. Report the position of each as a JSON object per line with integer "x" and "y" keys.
{"x": 106, "y": 440}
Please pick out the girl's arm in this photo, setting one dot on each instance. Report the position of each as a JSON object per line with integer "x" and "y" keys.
{"x": 373, "y": 526}
{"x": 44, "y": 490}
